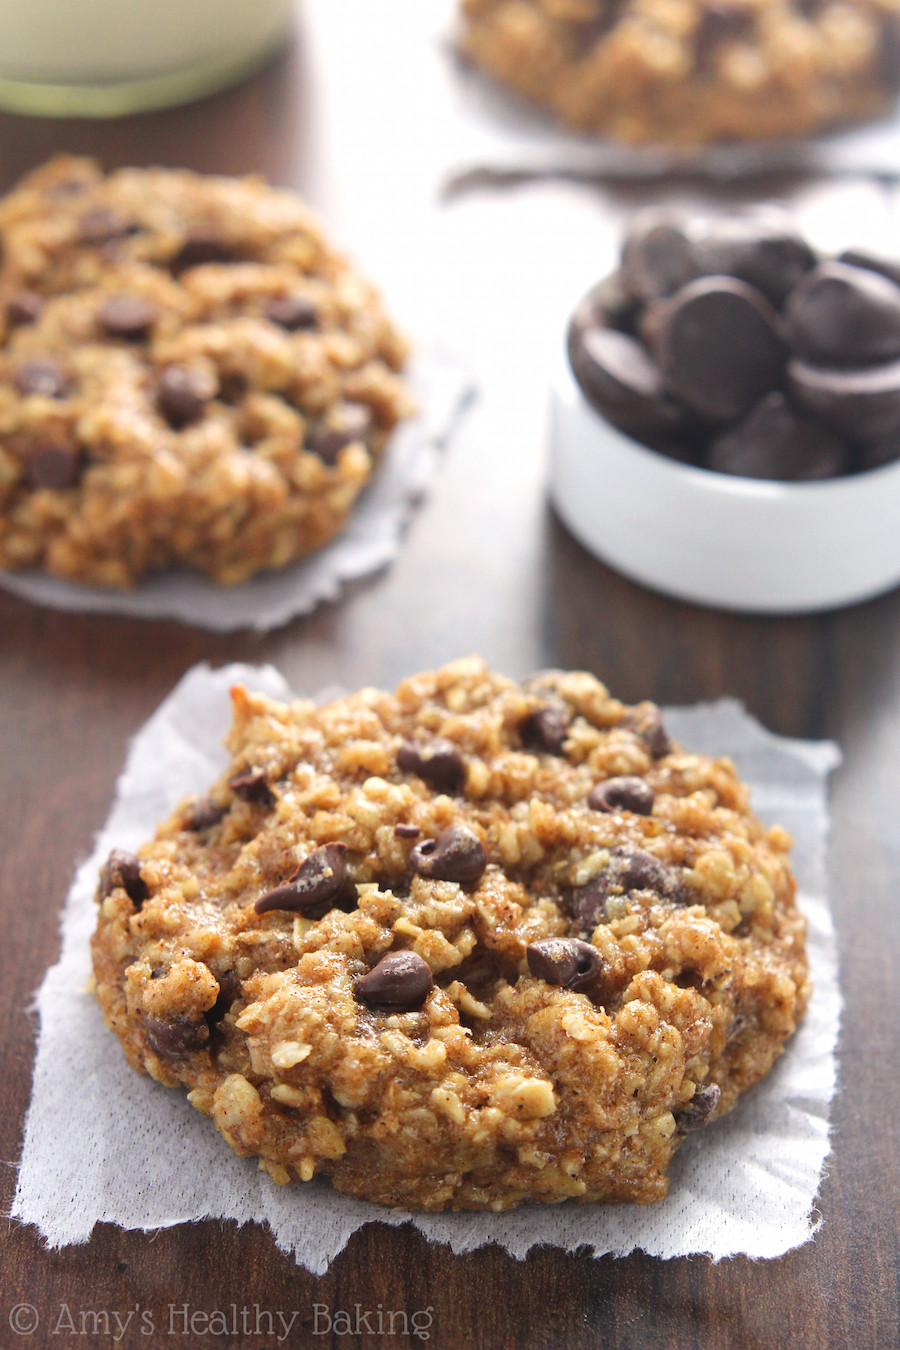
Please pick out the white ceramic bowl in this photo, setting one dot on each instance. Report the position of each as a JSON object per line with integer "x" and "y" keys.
{"x": 733, "y": 543}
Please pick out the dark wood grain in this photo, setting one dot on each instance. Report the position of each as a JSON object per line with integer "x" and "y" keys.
{"x": 511, "y": 583}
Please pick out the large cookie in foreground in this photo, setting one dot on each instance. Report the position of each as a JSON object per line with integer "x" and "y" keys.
{"x": 464, "y": 945}
{"x": 189, "y": 376}
{"x": 694, "y": 71}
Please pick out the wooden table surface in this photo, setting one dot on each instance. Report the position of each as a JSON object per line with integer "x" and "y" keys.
{"x": 485, "y": 566}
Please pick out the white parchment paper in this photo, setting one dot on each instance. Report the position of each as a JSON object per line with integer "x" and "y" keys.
{"x": 137, "y": 1154}
{"x": 369, "y": 541}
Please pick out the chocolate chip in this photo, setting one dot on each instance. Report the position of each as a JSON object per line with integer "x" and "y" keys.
{"x": 252, "y": 787}
{"x": 872, "y": 262}
{"x": 42, "y": 376}
{"x": 844, "y": 316}
{"x": 229, "y": 992}
{"x": 775, "y": 442}
{"x": 627, "y": 793}
{"x": 607, "y": 305}
{"x": 566, "y": 962}
{"x": 127, "y": 316}
{"x": 406, "y": 830}
{"x": 859, "y": 403}
{"x": 292, "y": 312}
{"x": 232, "y": 388}
{"x": 645, "y": 720}
{"x": 173, "y": 1040}
{"x": 623, "y": 382}
{"x": 181, "y": 395}
{"x": 628, "y": 869}
{"x": 546, "y": 729}
{"x": 437, "y": 762}
{"x": 720, "y": 348}
{"x": 24, "y": 308}
{"x": 720, "y": 23}
{"x": 657, "y": 258}
{"x": 350, "y": 422}
{"x": 202, "y": 246}
{"x": 457, "y": 854}
{"x": 401, "y": 980}
{"x": 53, "y": 466}
{"x": 315, "y": 887}
{"x": 123, "y": 869}
{"x": 758, "y": 246}
{"x": 699, "y": 1109}
{"x": 101, "y": 224}
{"x": 205, "y": 813}
{"x": 875, "y": 454}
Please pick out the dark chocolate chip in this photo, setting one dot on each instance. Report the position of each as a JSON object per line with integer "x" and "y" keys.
{"x": 699, "y": 1109}
{"x": 566, "y": 962}
{"x": 252, "y": 787}
{"x": 173, "y": 1040}
{"x": 457, "y": 854}
{"x": 775, "y": 442}
{"x": 229, "y": 992}
{"x": 657, "y": 258}
{"x": 127, "y": 316}
{"x": 720, "y": 348}
{"x": 437, "y": 762}
{"x": 53, "y": 466}
{"x": 315, "y": 887}
{"x": 876, "y": 454}
{"x": 872, "y": 262}
{"x": 645, "y": 720}
{"x": 41, "y": 376}
{"x": 292, "y": 312}
{"x": 350, "y": 422}
{"x": 101, "y": 224}
{"x": 181, "y": 395}
{"x": 123, "y": 869}
{"x": 406, "y": 830}
{"x": 202, "y": 246}
{"x": 205, "y": 813}
{"x": 232, "y": 388}
{"x": 720, "y": 22}
{"x": 628, "y": 869}
{"x": 546, "y": 729}
{"x": 627, "y": 793}
{"x": 623, "y": 382}
{"x": 607, "y": 305}
{"x": 24, "y": 308}
{"x": 844, "y": 316}
{"x": 401, "y": 980}
{"x": 863, "y": 404}
{"x": 759, "y": 246}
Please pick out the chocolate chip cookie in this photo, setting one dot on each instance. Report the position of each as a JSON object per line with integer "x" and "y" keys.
{"x": 693, "y": 71}
{"x": 189, "y": 376}
{"x": 466, "y": 944}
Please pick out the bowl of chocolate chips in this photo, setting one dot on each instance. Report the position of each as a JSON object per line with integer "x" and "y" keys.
{"x": 726, "y": 421}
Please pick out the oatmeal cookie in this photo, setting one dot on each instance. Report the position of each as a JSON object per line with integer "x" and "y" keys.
{"x": 693, "y": 71}
{"x": 189, "y": 375}
{"x": 459, "y": 946}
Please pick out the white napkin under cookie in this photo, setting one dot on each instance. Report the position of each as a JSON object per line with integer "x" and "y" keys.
{"x": 137, "y": 1154}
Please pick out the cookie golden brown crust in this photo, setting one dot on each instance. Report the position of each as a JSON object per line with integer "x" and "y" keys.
{"x": 693, "y": 71}
{"x": 467, "y": 944}
{"x": 189, "y": 376}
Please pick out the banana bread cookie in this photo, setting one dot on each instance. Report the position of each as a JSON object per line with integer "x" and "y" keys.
{"x": 459, "y": 946}
{"x": 693, "y": 71}
{"x": 189, "y": 375}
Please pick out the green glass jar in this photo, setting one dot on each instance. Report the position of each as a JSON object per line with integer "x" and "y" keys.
{"x": 106, "y": 58}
